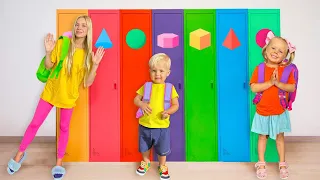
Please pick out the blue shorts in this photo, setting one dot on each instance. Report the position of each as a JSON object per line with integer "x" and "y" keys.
{"x": 159, "y": 138}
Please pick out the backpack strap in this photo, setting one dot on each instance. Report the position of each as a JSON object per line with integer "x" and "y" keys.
{"x": 63, "y": 54}
{"x": 147, "y": 91}
{"x": 261, "y": 69}
{"x": 282, "y": 94}
{"x": 286, "y": 73}
{"x": 296, "y": 78}
{"x": 167, "y": 96}
{"x": 292, "y": 95}
{"x": 261, "y": 72}
{"x": 146, "y": 97}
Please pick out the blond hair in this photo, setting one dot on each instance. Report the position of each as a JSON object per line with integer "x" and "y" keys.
{"x": 87, "y": 44}
{"x": 292, "y": 55}
{"x": 154, "y": 60}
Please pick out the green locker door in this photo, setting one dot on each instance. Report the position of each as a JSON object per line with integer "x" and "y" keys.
{"x": 260, "y": 19}
{"x": 200, "y": 86}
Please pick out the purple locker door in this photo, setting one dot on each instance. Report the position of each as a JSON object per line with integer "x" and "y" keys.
{"x": 171, "y": 21}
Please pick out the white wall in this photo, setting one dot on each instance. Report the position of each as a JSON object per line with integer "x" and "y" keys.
{"x": 24, "y": 24}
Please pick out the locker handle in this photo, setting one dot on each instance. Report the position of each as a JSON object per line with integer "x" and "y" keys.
{"x": 115, "y": 85}
{"x": 244, "y": 85}
{"x": 211, "y": 84}
{"x": 179, "y": 85}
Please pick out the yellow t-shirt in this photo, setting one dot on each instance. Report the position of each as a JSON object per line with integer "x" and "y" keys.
{"x": 63, "y": 92}
{"x": 157, "y": 105}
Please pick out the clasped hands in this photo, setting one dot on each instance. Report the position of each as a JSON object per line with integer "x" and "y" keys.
{"x": 274, "y": 80}
{"x": 146, "y": 109}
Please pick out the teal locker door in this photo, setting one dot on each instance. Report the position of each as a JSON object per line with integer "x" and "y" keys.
{"x": 260, "y": 19}
{"x": 232, "y": 65}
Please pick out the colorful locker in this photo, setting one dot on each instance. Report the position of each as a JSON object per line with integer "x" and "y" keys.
{"x": 78, "y": 145}
{"x": 200, "y": 85}
{"x": 260, "y": 19}
{"x": 169, "y": 24}
{"x": 232, "y": 62}
{"x": 105, "y": 92}
{"x": 134, "y": 73}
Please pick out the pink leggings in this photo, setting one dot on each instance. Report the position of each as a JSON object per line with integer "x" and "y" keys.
{"x": 40, "y": 115}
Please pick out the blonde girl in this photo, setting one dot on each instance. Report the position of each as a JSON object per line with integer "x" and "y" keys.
{"x": 79, "y": 69}
{"x": 271, "y": 119}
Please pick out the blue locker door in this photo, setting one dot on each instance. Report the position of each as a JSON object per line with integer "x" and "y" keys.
{"x": 232, "y": 59}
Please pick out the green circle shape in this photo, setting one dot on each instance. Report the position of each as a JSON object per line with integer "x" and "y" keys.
{"x": 136, "y": 39}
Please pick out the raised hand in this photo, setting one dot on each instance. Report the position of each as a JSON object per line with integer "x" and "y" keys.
{"x": 49, "y": 43}
{"x": 96, "y": 58}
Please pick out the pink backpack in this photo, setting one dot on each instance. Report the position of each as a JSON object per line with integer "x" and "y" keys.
{"x": 147, "y": 96}
{"x": 284, "y": 79}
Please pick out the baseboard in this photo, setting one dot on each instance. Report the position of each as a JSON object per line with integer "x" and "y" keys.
{"x": 52, "y": 139}
{"x": 37, "y": 139}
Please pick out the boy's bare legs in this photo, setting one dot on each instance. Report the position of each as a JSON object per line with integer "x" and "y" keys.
{"x": 146, "y": 156}
{"x": 145, "y": 163}
{"x": 162, "y": 160}
{"x": 163, "y": 169}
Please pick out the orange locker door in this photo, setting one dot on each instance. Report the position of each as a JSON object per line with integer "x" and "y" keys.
{"x": 105, "y": 92}
{"x": 78, "y": 145}
{"x": 134, "y": 73}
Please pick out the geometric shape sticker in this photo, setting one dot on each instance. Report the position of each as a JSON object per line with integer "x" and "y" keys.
{"x": 200, "y": 39}
{"x": 167, "y": 40}
{"x": 103, "y": 40}
{"x": 135, "y": 38}
{"x": 261, "y": 37}
{"x": 231, "y": 42}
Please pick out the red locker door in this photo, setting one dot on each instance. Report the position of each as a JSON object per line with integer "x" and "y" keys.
{"x": 134, "y": 73}
{"x": 105, "y": 91}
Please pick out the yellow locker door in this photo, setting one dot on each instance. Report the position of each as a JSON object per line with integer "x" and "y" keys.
{"x": 78, "y": 145}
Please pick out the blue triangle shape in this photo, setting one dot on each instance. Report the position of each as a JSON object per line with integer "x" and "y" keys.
{"x": 103, "y": 40}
